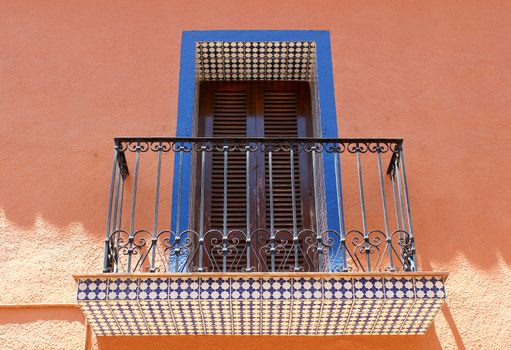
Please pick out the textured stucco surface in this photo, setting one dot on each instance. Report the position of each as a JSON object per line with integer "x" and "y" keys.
{"x": 75, "y": 74}
{"x": 50, "y": 256}
{"x": 58, "y": 335}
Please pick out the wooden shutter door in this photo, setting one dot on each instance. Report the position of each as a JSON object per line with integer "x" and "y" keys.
{"x": 286, "y": 113}
{"x": 227, "y": 111}
{"x": 255, "y": 109}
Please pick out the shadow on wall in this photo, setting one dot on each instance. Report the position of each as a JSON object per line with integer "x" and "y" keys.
{"x": 67, "y": 189}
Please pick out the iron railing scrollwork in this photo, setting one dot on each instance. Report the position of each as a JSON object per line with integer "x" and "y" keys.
{"x": 328, "y": 246}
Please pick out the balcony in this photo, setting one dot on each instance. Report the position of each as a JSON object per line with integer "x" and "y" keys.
{"x": 259, "y": 236}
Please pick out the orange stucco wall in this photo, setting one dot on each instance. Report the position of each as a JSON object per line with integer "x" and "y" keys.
{"x": 75, "y": 74}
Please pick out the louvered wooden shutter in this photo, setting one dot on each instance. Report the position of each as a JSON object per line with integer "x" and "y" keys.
{"x": 260, "y": 109}
{"x": 229, "y": 120}
{"x": 286, "y": 115}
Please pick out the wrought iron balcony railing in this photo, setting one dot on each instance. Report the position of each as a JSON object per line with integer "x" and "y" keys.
{"x": 258, "y": 204}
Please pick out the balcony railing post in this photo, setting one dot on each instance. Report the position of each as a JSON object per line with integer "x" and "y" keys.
{"x": 177, "y": 233}
{"x": 272, "y": 214}
{"x": 408, "y": 211}
{"x": 106, "y": 262}
{"x": 224, "y": 233}
{"x": 247, "y": 203}
{"x": 156, "y": 210}
{"x": 397, "y": 209}
{"x": 384, "y": 206}
{"x": 133, "y": 207}
{"x": 293, "y": 205}
{"x": 367, "y": 247}
{"x": 340, "y": 207}
{"x": 201, "y": 209}
{"x": 319, "y": 238}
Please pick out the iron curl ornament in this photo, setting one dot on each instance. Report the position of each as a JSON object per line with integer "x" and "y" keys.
{"x": 281, "y": 251}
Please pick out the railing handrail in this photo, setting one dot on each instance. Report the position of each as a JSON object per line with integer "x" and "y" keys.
{"x": 398, "y": 142}
{"x": 119, "y": 139}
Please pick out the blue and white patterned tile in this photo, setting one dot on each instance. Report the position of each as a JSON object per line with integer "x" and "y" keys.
{"x": 275, "y": 316}
{"x": 92, "y": 289}
{"x": 338, "y": 288}
{"x": 276, "y": 299}
{"x": 306, "y": 308}
{"x": 246, "y": 306}
{"x": 184, "y": 289}
{"x": 421, "y": 315}
{"x": 369, "y": 288}
{"x": 338, "y": 301}
{"x": 270, "y": 306}
{"x": 392, "y": 315}
{"x": 429, "y": 287}
{"x": 100, "y": 318}
{"x": 215, "y": 288}
{"x": 307, "y": 288}
{"x": 158, "y": 316}
{"x": 399, "y": 288}
{"x": 334, "y": 316}
{"x": 187, "y": 316}
{"x": 245, "y": 288}
{"x": 153, "y": 289}
{"x": 129, "y": 317}
{"x": 305, "y": 317}
{"x": 122, "y": 289}
{"x": 363, "y": 316}
{"x": 215, "y": 305}
{"x": 246, "y": 316}
{"x": 276, "y": 288}
{"x": 217, "y": 317}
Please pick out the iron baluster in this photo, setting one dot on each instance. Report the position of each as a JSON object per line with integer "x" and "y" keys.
{"x": 396, "y": 206}
{"x": 408, "y": 211}
{"x": 133, "y": 207}
{"x": 340, "y": 207}
{"x": 319, "y": 237}
{"x": 293, "y": 206}
{"x": 156, "y": 210}
{"x": 272, "y": 214}
{"x": 247, "y": 203}
{"x": 367, "y": 248}
{"x": 201, "y": 208}
{"x": 177, "y": 233}
{"x": 384, "y": 206}
{"x": 106, "y": 263}
{"x": 224, "y": 234}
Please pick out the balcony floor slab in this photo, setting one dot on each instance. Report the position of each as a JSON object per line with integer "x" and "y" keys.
{"x": 309, "y": 304}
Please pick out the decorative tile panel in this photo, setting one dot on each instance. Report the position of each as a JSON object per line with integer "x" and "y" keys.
{"x": 92, "y": 289}
{"x": 247, "y": 305}
{"x": 277, "y": 297}
{"x": 306, "y": 307}
{"x": 215, "y": 305}
{"x": 153, "y": 300}
{"x": 184, "y": 303}
{"x": 273, "y": 60}
{"x": 100, "y": 318}
{"x": 337, "y": 304}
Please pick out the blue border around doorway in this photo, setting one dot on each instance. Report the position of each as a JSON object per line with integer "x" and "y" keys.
{"x": 328, "y": 116}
